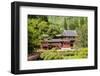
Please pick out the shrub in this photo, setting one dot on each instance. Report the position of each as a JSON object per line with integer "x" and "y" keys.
{"x": 51, "y": 55}
{"x": 67, "y": 54}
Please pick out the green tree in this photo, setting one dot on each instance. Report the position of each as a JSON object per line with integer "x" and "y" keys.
{"x": 37, "y": 28}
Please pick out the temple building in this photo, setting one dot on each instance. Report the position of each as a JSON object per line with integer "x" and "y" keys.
{"x": 64, "y": 40}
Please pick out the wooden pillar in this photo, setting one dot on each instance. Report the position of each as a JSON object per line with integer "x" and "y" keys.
{"x": 41, "y": 46}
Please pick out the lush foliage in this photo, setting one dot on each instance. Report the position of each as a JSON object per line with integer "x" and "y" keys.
{"x": 35, "y": 33}
{"x": 38, "y": 26}
{"x": 50, "y": 55}
{"x": 66, "y": 54}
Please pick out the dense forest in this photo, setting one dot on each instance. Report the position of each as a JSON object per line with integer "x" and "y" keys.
{"x": 39, "y": 25}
